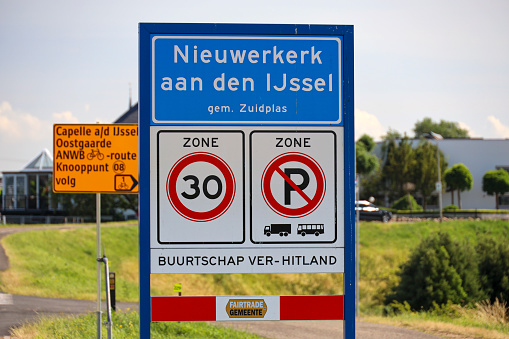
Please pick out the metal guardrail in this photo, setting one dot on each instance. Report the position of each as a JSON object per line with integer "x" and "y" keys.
{"x": 40, "y": 219}
{"x": 453, "y": 215}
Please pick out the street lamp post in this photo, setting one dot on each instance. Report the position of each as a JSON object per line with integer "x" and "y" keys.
{"x": 439, "y": 185}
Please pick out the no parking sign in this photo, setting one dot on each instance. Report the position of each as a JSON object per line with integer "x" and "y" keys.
{"x": 246, "y": 163}
{"x": 304, "y": 167}
{"x": 295, "y": 177}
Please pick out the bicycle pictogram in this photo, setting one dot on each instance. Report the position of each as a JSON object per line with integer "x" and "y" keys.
{"x": 95, "y": 153}
{"x": 122, "y": 185}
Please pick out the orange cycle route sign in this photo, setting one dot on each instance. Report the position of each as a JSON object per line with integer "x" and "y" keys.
{"x": 95, "y": 158}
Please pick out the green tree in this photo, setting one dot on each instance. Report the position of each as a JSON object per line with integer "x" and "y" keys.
{"x": 392, "y": 134}
{"x": 496, "y": 182}
{"x": 367, "y": 141}
{"x": 84, "y": 205}
{"x": 426, "y": 169}
{"x": 365, "y": 161}
{"x": 127, "y": 201}
{"x": 399, "y": 166}
{"x": 439, "y": 270}
{"x": 447, "y": 129}
{"x": 459, "y": 178}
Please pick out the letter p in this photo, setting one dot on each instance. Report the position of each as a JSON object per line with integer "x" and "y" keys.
{"x": 289, "y": 188}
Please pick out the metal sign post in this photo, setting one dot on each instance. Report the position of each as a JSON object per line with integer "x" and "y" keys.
{"x": 246, "y": 164}
{"x": 98, "y": 256}
{"x": 109, "y": 323}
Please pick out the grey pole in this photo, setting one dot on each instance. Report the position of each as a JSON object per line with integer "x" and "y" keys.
{"x": 98, "y": 232}
{"x": 440, "y": 182}
{"x": 109, "y": 323}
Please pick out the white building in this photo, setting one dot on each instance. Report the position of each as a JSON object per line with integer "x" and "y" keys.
{"x": 479, "y": 156}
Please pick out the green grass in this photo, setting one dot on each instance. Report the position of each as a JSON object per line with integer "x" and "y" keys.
{"x": 125, "y": 326}
{"x": 384, "y": 247}
{"x": 62, "y": 264}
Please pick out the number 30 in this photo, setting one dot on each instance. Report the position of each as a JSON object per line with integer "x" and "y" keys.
{"x": 196, "y": 183}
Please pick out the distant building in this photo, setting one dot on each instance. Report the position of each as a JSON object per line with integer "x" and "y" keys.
{"x": 129, "y": 117}
{"x": 28, "y": 191}
{"x": 479, "y": 156}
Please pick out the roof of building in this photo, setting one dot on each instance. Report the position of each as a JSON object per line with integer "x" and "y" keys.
{"x": 42, "y": 161}
{"x": 129, "y": 117}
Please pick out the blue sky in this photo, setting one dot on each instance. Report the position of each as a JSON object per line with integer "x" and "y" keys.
{"x": 66, "y": 61}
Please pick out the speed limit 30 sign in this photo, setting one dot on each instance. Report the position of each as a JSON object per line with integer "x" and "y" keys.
{"x": 201, "y": 187}
{"x": 179, "y": 201}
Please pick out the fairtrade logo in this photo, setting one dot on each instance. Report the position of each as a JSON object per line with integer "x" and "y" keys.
{"x": 246, "y": 308}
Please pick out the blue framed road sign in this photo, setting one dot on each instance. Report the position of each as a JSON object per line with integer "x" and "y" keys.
{"x": 257, "y": 79}
{"x": 246, "y": 157}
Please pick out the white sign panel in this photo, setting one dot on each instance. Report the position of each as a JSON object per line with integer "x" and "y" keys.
{"x": 247, "y": 200}
{"x": 248, "y": 260}
{"x": 201, "y": 187}
{"x": 294, "y": 186}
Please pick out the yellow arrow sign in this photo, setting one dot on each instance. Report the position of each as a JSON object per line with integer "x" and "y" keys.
{"x": 95, "y": 158}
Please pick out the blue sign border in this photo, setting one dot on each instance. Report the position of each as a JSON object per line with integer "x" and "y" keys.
{"x": 299, "y": 101}
{"x": 145, "y": 117}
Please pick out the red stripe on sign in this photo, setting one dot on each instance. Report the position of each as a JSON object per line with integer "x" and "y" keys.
{"x": 183, "y": 308}
{"x": 312, "y": 307}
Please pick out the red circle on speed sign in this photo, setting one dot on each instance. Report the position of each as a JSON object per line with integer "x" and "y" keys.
{"x": 311, "y": 202}
{"x": 173, "y": 197}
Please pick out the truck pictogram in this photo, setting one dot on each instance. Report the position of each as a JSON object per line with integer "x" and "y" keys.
{"x": 281, "y": 229}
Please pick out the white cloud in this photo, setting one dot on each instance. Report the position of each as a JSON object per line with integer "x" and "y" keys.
{"x": 471, "y": 132}
{"x": 23, "y": 135}
{"x": 15, "y": 126}
{"x": 501, "y": 130}
{"x": 65, "y": 117}
{"x": 7, "y": 126}
{"x": 366, "y": 123}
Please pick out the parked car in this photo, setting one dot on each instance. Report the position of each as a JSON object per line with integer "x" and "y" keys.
{"x": 368, "y": 211}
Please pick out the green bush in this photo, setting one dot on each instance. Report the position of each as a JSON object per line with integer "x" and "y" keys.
{"x": 494, "y": 267}
{"x": 407, "y": 203}
{"x": 439, "y": 271}
{"x": 451, "y": 208}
